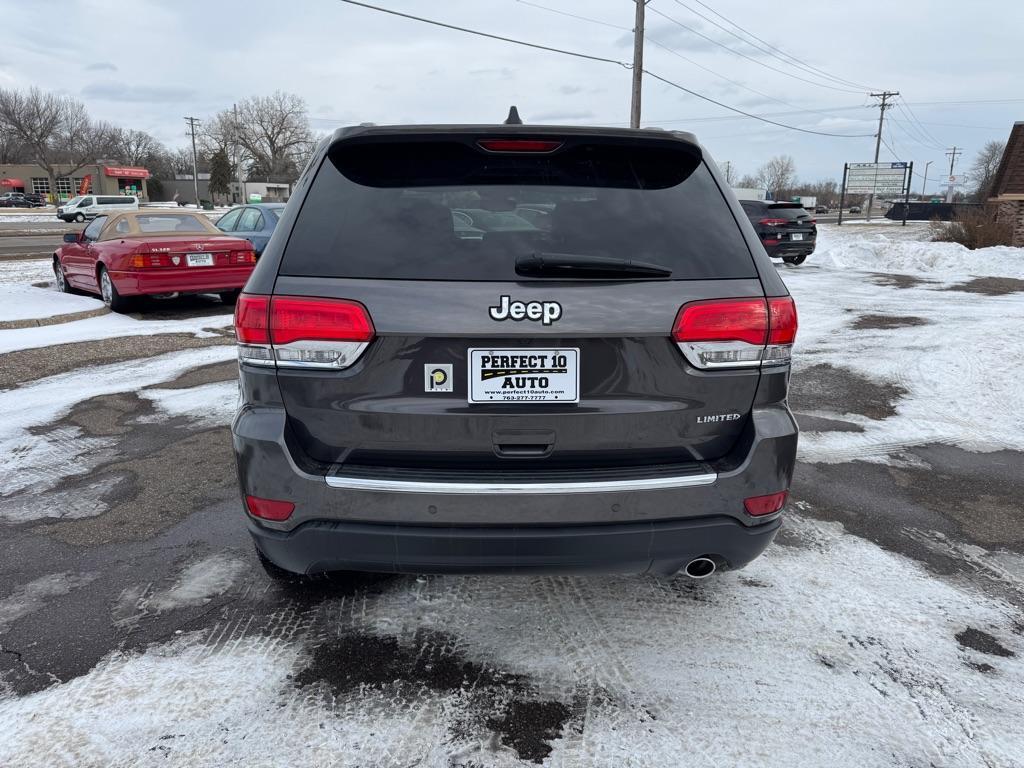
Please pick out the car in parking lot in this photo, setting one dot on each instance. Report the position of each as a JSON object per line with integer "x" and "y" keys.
{"x": 854, "y": 209}
{"x": 86, "y": 207}
{"x": 607, "y": 393}
{"x": 21, "y": 200}
{"x": 152, "y": 253}
{"x": 821, "y": 209}
{"x": 786, "y": 230}
{"x": 254, "y": 223}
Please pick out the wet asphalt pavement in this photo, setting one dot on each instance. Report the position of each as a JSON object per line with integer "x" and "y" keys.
{"x": 115, "y": 578}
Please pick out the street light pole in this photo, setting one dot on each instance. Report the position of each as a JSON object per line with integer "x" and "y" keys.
{"x": 924, "y": 183}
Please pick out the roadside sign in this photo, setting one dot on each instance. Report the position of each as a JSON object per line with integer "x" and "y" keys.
{"x": 876, "y": 178}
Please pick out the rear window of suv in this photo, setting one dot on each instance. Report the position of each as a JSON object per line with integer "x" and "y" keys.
{"x": 449, "y": 211}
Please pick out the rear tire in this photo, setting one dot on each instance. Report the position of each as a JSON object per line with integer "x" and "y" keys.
{"x": 108, "y": 292}
{"x": 229, "y": 297}
{"x": 796, "y": 261}
{"x": 62, "y": 280}
{"x": 79, "y": 217}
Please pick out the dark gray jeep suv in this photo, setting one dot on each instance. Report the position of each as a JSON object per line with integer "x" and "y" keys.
{"x": 501, "y": 348}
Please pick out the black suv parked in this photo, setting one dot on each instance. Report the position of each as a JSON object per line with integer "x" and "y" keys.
{"x": 495, "y": 348}
{"x": 787, "y": 231}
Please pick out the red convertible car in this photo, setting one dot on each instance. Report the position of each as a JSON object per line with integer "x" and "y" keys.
{"x": 158, "y": 253}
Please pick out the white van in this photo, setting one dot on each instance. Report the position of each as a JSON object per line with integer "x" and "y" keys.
{"x": 90, "y": 206}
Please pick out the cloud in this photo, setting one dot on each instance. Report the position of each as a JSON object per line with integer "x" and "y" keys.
{"x": 562, "y": 116}
{"x": 101, "y": 66}
{"x": 504, "y": 73}
{"x": 569, "y": 90}
{"x": 116, "y": 91}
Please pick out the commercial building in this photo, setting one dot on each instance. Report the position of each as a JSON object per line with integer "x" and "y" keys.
{"x": 97, "y": 178}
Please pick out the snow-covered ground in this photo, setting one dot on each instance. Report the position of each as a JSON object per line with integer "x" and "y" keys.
{"x": 24, "y": 302}
{"x": 959, "y": 365}
{"x": 830, "y": 653}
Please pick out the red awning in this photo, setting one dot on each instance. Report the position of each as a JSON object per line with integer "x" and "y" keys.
{"x": 125, "y": 173}
{"x": 11, "y": 183}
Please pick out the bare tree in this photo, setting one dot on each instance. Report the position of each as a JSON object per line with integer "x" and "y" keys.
{"x": 983, "y": 172}
{"x": 181, "y": 161}
{"x": 11, "y": 149}
{"x": 271, "y": 132}
{"x": 134, "y": 147}
{"x": 778, "y": 175}
{"x": 53, "y": 130}
{"x": 748, "y": 182}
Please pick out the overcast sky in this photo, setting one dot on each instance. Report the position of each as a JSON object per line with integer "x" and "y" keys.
{"x": 145, "y": 64}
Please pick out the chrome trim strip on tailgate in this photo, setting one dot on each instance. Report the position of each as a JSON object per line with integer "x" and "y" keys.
{"x": 588, "y": 486}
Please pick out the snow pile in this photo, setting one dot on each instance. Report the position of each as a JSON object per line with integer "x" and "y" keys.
{"x": 105, "y": 327}
{"x": 840, "y": 248}
{"x": 211, "y": 404}
{"x": 24, "y": 302}
{"x": 199, "y": 582}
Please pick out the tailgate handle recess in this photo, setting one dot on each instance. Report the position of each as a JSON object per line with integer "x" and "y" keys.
{"x": 523, "y": 443}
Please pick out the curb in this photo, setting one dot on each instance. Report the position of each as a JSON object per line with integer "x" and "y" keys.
{"x": 40, "y": 322}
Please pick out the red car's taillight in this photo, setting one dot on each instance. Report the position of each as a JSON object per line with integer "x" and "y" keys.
{"x": 736, "y": 333}
{"x": 300, "y": 331}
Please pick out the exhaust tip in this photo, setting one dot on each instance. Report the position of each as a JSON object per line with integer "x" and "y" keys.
{"x": 700, "y": 568}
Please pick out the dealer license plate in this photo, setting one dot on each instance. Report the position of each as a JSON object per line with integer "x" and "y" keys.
{"x": 199, "y": 259}
{"x": 524, "y": 375}
{"x": 796, "y": 236}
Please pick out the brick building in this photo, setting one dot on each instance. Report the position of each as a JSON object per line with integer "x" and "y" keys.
{"x": 1008, "y": 185}
{"x": 97, "y": 178}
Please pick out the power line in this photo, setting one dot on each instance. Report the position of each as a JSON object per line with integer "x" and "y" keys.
{"x": 488, "y": 34}
{"x": 756, "y": 117}
{"x": 924, "y": 130}
{"x": 601, "y": 59}
{"x": 771, "y": 50}
{"x": 750, "y": 58}
{"x": 671, "y": 50}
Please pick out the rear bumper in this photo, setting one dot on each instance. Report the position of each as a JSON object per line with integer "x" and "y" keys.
{"x": 662, "y": 547}
{"x": 626, "y": 521}
{"x": 801, "y": 248}
{"x": 195, "y": 280}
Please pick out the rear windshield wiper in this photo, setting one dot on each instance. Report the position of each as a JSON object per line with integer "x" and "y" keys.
{"x": 581, "y": 265}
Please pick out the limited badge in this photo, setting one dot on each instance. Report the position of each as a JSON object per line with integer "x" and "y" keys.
{"x": 437, "y": 377}
{"x": 176, "y": 260}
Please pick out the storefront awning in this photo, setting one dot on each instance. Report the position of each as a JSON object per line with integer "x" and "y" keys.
{"x": 11, "y": 183}
{"x": 121, "y": 172}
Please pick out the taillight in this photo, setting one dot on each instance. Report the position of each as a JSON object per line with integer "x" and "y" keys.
{"x": 269, "y": 509}
{"x": 519, "y": 145}
{"x": 148, "y": 260}
{"x": 243, "y": 257}
{"x": 765, "y": 505}
{"x": 300, "y": 331}
{"x": 774, "y": 222}
{"x": 736, "y": 333}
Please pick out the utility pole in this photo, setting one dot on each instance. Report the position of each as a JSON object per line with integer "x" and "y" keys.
{"x": 236, "y": 130}
{"x": 638, "y": 63}
{"x": 924, "y": 183}
{"x": 884, "y": 105}
{"x": 192, "y": 123}
{"x": 952, "y": 154}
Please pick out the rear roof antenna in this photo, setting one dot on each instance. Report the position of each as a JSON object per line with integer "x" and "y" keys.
{"x": 513, "y": 116}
